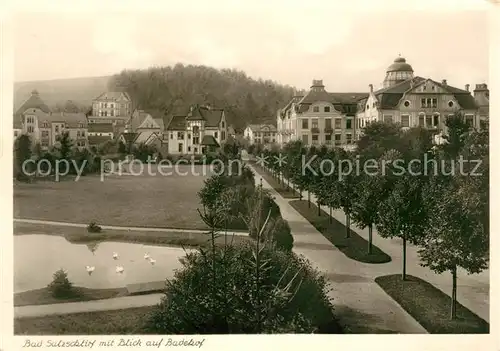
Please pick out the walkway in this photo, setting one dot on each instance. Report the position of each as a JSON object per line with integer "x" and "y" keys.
{"x": 112, "y": 227}
{"x": 360, "y": 303}
{"x": 472, "y": 290}
{"x": 116, "y": 303}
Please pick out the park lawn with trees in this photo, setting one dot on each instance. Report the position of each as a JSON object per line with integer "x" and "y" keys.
{"x": 445, "y": 215}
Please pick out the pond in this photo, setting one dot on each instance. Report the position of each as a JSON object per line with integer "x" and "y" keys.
{"x": 37, "y": 257}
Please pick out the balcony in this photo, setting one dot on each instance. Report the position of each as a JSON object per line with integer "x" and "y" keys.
{"x": 328, "y": 130}
{"x": 315, "y": 130}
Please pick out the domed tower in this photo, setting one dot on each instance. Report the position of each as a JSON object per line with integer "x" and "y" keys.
{"x": 398, "y": 72}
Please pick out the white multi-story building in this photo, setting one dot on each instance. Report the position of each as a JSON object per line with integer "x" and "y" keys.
{"x": 319, "y": 117}
{"x": 261, "y": 134}
{"x": 202, "y": 130}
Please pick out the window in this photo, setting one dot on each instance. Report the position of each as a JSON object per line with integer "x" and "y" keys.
{"x": 31, "y": 129}
{"x": 328, "y": 139}
{"x": 469, "y": 120}
{"x": 180, "y": 135}
{"x": 77, "y": 133}
{"x": 305, "y": 139}
{"x": 367, "y": 106}
{"x": 423, "y": 103}
{"x": 189, "y": 136}
{"x": 328, "y": 123}
{"x": 223, "y": 135}
{"x": 106, "y": 105}
{"x": 337, "y": 139}
{"x": 338, "y": 123}
{"x": 348, "y": 123}
{"x": 388, "y": 118}
{"x": 435, "y": 122}
{"x": 15, "y": 133}
{"x": 434, "y": 103}
{"x": 428, "y": 121}
{"x": 316, "y": 109}
{"x": 111, "y": 105}
{"x": 405, "y": 121}
{"x": 195, "y": 150}
{"x": 305, "y": 123}
{"x": 348, "y": 138}
{"x": 373, "y": 105}
{"x": 327, "y": 109}
{"x": 57, "y": 128}
{"x": 314, "y": 123}
{"x": 450, "y": 103}
{"x": 196, "y": 140}
{"x": 315, "y": 138}
{"x": 274, "y": 140}
{"x": 222, "y": 124}
{"x": 215, "y": 135}
{"x": 421, "y": 121}
{"x": 180, "y": 148}
{"x": 45, "y": 133}
{"x": 83, "y": 134}
{"x": 407, "y": 103}
{"x": 171, "y": 135}
{"x": 189, "y": 148}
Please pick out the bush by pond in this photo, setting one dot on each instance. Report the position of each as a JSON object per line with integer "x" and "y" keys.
{"x": 61, "y": 287}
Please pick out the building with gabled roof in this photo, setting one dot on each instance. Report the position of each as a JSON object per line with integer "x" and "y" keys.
{"x": 200, "y": 130}
{"x": 261, "y": 133}
{"x": 319, "y": 117}
{"x": 415, "y": 101}
{"x": 111, "y": 106}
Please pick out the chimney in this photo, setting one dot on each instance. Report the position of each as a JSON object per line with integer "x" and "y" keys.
{"x": 467, "y": 87}
{"x": 371, "y": 87}
{"x": 444, "y": 82}
{"x": 482, "y": 94}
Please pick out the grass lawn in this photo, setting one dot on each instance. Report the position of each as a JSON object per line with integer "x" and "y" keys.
{"x": 144, "y": 200}
{"x": 279, "y": 188}
{"x": 122, "y": 322}
{"x": 430, "y": 306}
{"x": 355, "y": 247}
{"x": 44, "y": 297}
{"x": 80, "y": 235}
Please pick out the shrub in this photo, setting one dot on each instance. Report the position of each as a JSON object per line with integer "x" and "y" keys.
{"x": 61, "y": 287}
{"x": 280, "y": 234}
{"x": 94, "y": 228}
{"x": 219, "y": 291}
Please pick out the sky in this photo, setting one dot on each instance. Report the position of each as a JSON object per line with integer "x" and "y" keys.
{"x": 347, "y": 46}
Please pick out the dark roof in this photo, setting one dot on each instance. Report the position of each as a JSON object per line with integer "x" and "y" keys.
{"x": 34, "y": 101}
{"x": 211, "y": 116}
{"x": 466, "y": 101}
{"x": 177, "y": 123}
{"x": 112, "y": 95}
{"x": 73, "y": 120}
{"x": 391, "y": 96}
{"x": 100, "y": 128}
{"x": 209, "y": 140}
{"x": 96, "y": 140}
{"x": 400, "y": 65}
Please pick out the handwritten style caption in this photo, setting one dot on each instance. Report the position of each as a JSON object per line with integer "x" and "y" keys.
{"x": 115, "y": 342}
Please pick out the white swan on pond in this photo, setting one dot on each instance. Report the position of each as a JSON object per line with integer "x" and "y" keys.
{"x": 146, "y": 256}
{"x": 115, "y": 256}
{"x": 90, "y": 269}
{"x": 152, "y": 261}
{"x": 119, "y": 269}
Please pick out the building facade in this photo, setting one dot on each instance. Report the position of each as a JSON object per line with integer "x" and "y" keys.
{"x": 111, "y": 107}
{"x": 202, "y": 130}
{"x": 261, "y": 134}
{"x": 415, "y": 101}
{"x": 36, "y": 120}
{"x": 319, "y": 117}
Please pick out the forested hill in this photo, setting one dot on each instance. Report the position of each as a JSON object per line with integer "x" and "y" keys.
{"x": 173, "y": 89}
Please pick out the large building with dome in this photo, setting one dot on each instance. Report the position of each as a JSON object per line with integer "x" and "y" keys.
{"x": 337, "y": 119}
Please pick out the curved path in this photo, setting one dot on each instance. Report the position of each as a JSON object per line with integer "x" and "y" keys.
{"x": 112, "y": 227}
{"x": 360, "y": 304}
{"x": 472, "y": 290}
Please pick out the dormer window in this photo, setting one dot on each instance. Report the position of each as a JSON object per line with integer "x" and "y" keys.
{"x": 450, "y": 103}
{"x": 407, "y": 103}
{"x": 327, "y": 109}
{"x": 367, "y": 106}
{"x": 316, "y": 109}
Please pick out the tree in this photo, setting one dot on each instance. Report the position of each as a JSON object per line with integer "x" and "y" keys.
{"x": 65, "y": 146}
{"x": 22, "y": 148}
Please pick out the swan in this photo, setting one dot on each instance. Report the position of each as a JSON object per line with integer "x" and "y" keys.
{"x": 152, "y": 261}
{"x": 146, "y": 256}
{"x": 90, "y": 269}
{"x": 115, "y": 256}
{"x": 119, "y": 269}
